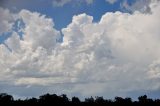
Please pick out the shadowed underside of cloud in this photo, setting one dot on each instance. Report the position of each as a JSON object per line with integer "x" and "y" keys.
{"x": 117, "y": 55}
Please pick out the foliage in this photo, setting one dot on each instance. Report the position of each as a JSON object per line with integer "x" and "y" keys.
{"x": 53, "y": 99}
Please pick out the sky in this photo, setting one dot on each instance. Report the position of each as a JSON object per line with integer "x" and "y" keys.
{"x": 80, "y": 47}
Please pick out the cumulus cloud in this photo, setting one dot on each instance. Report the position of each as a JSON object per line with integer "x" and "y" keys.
{"x": 43, "y": 35}
{"x": 140, "y": 5}
{"x": 6, "y": 20}
{"x": 117, "y": 55}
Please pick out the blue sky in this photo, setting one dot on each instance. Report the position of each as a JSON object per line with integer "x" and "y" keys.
{"x": 62, "y": 15}
{"x": 103, "y": 46}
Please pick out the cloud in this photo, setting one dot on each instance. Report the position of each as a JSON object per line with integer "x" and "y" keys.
{"x": 6, "y": 20}
{"x": 45, "y": 34}
{"x": 139, "y": 5}
{"x": 117, "y": 55}
{"x": 111, "y": 1}
{"x": 60, "y": 3}
{"x": 89, "y": 1}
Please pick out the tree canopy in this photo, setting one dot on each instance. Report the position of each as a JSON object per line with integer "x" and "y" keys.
{"x": 53, "y": 99}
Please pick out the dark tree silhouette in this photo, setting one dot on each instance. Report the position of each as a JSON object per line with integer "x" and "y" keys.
{"x": 142, "y": 99}
{"x": 32, "y": 101}
{"x": 53, "y": 99}
{"x": 89, "y": 100}
{"x": 75, "y": 100}
{"x": 5, "y": 98}
{"x": 99, "y": 100}
{"x": 128, "y": 101}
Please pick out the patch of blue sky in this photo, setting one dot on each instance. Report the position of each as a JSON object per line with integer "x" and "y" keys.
{"x": 62, "y": 16}
{"x": 17, "y": 27}
{"x": 4, "y": 36}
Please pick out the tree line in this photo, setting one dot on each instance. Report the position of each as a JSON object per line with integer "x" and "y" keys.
{"x": 53, "y": 99}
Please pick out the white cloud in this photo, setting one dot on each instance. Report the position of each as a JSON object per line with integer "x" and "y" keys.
{"x": 13, "y": 42}
{"x": 6, "y": 20}
{"x": 139, "y": 5}
{"x": 111, "y": 1}
{"x": 39, "y": 30}
{"x": 120, "y": 53}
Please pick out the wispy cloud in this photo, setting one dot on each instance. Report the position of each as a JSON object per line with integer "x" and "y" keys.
{"x": 60, "y": 3}
{"x": 111, "y": 1}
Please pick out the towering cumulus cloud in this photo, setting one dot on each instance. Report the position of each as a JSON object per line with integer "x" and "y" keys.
{"x": 118, "y": 55}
